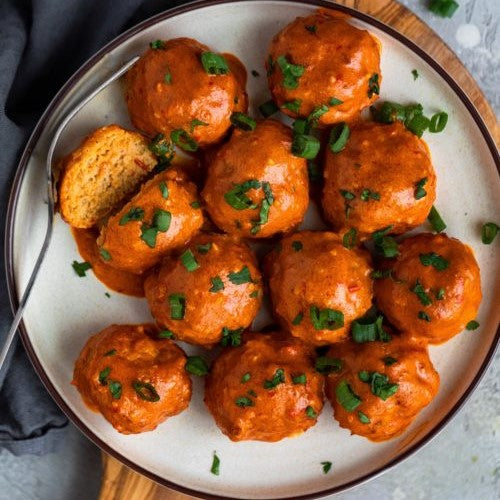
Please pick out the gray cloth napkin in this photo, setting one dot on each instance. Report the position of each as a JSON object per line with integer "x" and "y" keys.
{"x": 42, "y": 42}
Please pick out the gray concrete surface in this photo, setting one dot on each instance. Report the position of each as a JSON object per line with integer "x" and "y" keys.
{"x": 462, "y": 463}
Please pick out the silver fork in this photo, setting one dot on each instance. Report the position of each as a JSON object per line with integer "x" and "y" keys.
{"x": 51, "y": 211}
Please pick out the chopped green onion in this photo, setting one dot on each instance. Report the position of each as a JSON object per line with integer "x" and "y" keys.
{"x": 243, "y": 402}
{"x": 254, "y": 294}
{"x": 214, "y": 64}
{"x": 472, "y": 325}
{"x": 438, "y": 122}
{"x": 278, "y": 378}
{"x": 326, "y": 319}
{"x": 489, "y": 232}
{"x": 443, "y": 8}
{"x": 215, "y": 469}
{"x": 251, "y": 392}
{"x": 422, "y": 295}
{"x": 385, "y": 245}
{"x": 369, "y": 330}
{"x": 297, "y": 245}
{"x": 162, "y": 148}
{"x": 204, "y": 249}
{"x": 349, "y": 239}
{"x": 373, "y": 85}
{"x": 164, "y": 190}
{"x": 301, "y": 127}
{"x": 417, "y": 124}
{"x": 217, "y": 284}
{"x": 115, "y": 388}
{"x": 338, "y": 137}
{"x": 346, "y": 397}
{"x": 145, "y": 391}
{"x": 348, "y": 195}
{"x": 157, "y": 45}
{"x": 435, "y": 260}
{"x": 379, "y": 274}
{"x": 135, "y": 213}
{"x": 177, "y": 303}
{"x": 196, "y": 123}
{"x": 415, "y": 74}
{"x": 103, "y": 375}
{"x": 81, "y": 267}
{"x": 440, "y": 294}
{"x": 237, "y": 198}
{"x": 367, "y": 195}
{"x": 363, "y": 418}
{"x": 436, "y": 221}
{"x": 264, "y": 208}
{"x": 291, "y": 72}
{"x": 110, "y": 353}
{"x": 424, "y": 316}
{"x": 243, "y": 121}
{"x": 162, "y": 220}
{"x": 166, "y": 334}
{"x": 231, "y": 337}
{"x": 326, "y": 467}
{"x": 240, "y": 277}
{"x": 195, "y": 204}
{"x": 167, "y": 78}
{"x": 380, "y": 385}
{"x": 197, "y": 366}
{"x": 148, "y": 235}
{"x": 420, "y": 192}
{"x": 333, "y": 101}
{"x": 326, "y": 365}
{"x": 298, "y": 319}
{"x": 188, "y": 261}
{"x": 182, "y": 139}
{"x": 316, "y": 114}
{"x": 293, "y": 106}
{"x": 305, "y": 146}
{"x": 105, "y": 255}
{"x": 310, "y": 412}
{"x": 268, "y": 108}
{"x": 299, "y": 379}
{"x": 246, "y": 377}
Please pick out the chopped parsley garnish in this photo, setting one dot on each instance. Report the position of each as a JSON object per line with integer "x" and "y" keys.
{"x": 182, "y": 139}
{"x": 297, "y": 245}
{"x": 326, "y": 365}
{"x": 246, "y": 377}
{"x": 215, "y": 469}
{"x": 472, "y": 325}
{"x": 177, "y": 303}
{"x": 379, "y": 384}
{"x": 298, "y": 319}
{"x": 420, "y": 192}
{"x": 293, "y": 106}
{"x": 436, "y": 220}
{"x": 349, "y": 239}
{"x": 240, "y": 277}
{"x": 243, "y": 121}
{"x": 103, "y": 375}
{"x": 435, "y": 260}
{"x": 326, "y": 319}
{"x": 291, "y": 72}
{"x": 166, "y": 334}
{"x": 134, "y": 214}
{"x": 115, "y": 388}
{"x": 326, "y": 467}
{"x": 367, "y": 195}
{"x": 217, "y": 284}
{"x": 145, "y": 391}
{"x": 363, "y": 418}
{"x": 424, "y": 316}
{"x": 338, "y": 137}
{"x": 443, "y": 8}
{"x": 346, "y": 397}
{"x": 237, "y": 198}
{"x": 278, "y": 378}
{"x": 214, "y": 64}
{"x": 157, "y": 45}
{"x": 231, "y": 337}
{"x": 300, "y": 379}
{"x": 373, "y": 85}
{"x": 422, "y": 295}
{"x": 415, "y": 74}
{"x": 197, "y": 366}
{"x": 243, "y": 402}
{"x": 105, "y": 255}
{"x": 385, "y": 245}
{"x": 204, "y": 249}
{"x": 489, "y": 232}
{"x": 369, "y": 330}
{"x": 189, "y": 261}
{"x": 163, "y": 190}
{"x": 110, "y": 353}
{"x": 389, "y": 360}
{"x": 310, "y": 412}
{"x": 81, "y": 267}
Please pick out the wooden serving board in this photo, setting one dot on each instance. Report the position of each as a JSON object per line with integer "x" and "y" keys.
{"x": 121, "y": 483}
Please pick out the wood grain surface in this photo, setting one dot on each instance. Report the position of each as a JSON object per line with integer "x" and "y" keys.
{"x": 120, "y": 482}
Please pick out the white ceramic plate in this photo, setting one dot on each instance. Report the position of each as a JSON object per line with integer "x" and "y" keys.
{"x": 64, "y": 309}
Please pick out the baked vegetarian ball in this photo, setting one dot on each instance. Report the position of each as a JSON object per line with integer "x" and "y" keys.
{"x": 266, "y": 389}
{"x": 432, "y": 289}
{"x": 380, "y": 387}
{"x": 134, "y": 381}
{"x": 101, "y": 173}
{"x": 383, "y": 177}
{"x": 180, "y": 88}
{"x": 324, "y": 64}
{"x": 255, "y": 187}
{"x": 318, "y": 286}
{"x": 164, "y": 215}
{"x": 207, "y": 292}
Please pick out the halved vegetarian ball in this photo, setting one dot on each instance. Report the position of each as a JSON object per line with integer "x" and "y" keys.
{"x": 383, "y": 177}
{"x": 134, "y": 381}
{"x": 325, "y": 65}
{"x": 266, "y": 389}
{"x": 207, "y": 292}
{"x": 164, "y": 215}
{"x": 432, "y": 289}
{"x": 380, "y": 387}
{"x": 318, "y": 286}
{"x": 255, "y": 187}
{"x": 184, "y": 90}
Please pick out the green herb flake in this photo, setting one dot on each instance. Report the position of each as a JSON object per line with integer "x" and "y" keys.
{"x": 369, "y": 329}
{"x": 373, "y": 85}
{"x": 204, "y": 249}
{"x": 197, "y": 366}
{"x": 240, "y": 277}
{"x": 311, "y": 413}
{"x": 424, "y": 316}
{"x": 367, "y": 195}
{"x": 196, "y": 123}
{"x": 305, "y": 146}
{"x": 157, "y": 45}
{"x": 297, "y": 246}
{"x": 346, "y": 397}
{"x": 217, "y": 284}
{"x": 107, "y": 295}
{"x": 389, "y": 360}
{"x": 300, "y": 379}
{"x": 298, "y": 319}
{"x": 254, "y": 294}
{"x": 214, "y": 64}
{"x": 326, "y": 365}
{"x": 472, "y": 325}
{"x": 163, "y": 150}
{"x": 385, "y": 246}
{"x": 166, "y": 334}
{"x": 110, "y": 353}
{"x": 338, "y": 137}
{"x": 268, "y": 108}
{"x": 311, "y": 28}
{"x": 326, "y": 467}
{"x": 415, "y": 74}
{"x": 177, "y": 303}
{"x": 316, "y": 114}
{"x": 440, "y": 294}
{"x": 333, "y": 101}
{"x": 80, "y": 268}
{"x": 103, "y": 375}
{"x": 422, "y": 295}
{"x": 231, "y": 337}
{"x": 443, "y": 8}
{"x": 246, "y": 377}
{"x": 243, "y": 121}
{"x": 189, "y": 261}
{"x": 195, "y": 204}
{"x": 489, "y": 232}
{"x": 115, "y": 388}
{"x": 145, "y": 391}
{"x": 363, "y": 418}
{"x": 349, "y": 240}
{"x": 435, "y": 260}
{"x": 215, "y": 469}
{"x": 243, "y": 402}
{"x": 278, "y": 378}
{"x": 134, "y": 214}
{"x": 438, "y": 122}
{"x": 163, "y": 190}
{"x": 380, "y": 385}
{"x": 237, "y": 198}
{"x": 167, "y": 78}
{"x": 293, "y": 106}
{"x": 291, "y": 72}
{"x": 420, "y": 192}
{"x": 326, "y": 319}
{"x": 148, "y": 235}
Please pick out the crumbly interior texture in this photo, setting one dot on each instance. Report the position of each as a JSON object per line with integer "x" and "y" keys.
{"x": 101, "y": 173}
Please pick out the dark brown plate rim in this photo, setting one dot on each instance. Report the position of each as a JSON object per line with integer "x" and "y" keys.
{"x": 14, "y": 195}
